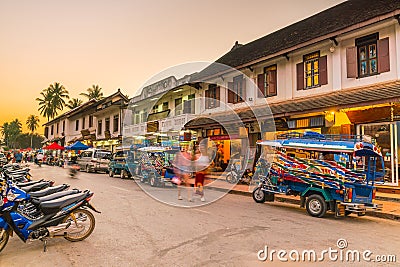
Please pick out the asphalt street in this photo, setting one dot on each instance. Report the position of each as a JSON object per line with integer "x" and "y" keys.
{"x": 134, "y": 229}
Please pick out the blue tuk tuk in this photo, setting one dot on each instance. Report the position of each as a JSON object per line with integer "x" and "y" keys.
{"x": 329, "y": 173}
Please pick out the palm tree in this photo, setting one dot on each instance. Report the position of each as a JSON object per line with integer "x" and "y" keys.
{"x": 53, "y": 100}
{"x": 74, "y": 103}
{"x": 45, "y": 107}
{"x": 13, "y": 131}
{"x": 94, "y": 93}
{"x": 4, "y": 132}
{"x": 58, "y": 92}
{"x": 32, "y": 122}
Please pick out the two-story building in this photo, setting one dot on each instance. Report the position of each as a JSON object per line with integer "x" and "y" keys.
{"x": 337, "y": 72}
{"x": 158, "y": 114}
{"x": 96, "y": 123}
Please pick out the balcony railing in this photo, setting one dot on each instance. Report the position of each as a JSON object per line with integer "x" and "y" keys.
{"x": 166, "y": 125}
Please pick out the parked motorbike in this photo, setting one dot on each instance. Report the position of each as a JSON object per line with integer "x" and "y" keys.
{"x": 16, "y": 174}
{"x": 236, "y": 175}
{"x": 67, "y": 217}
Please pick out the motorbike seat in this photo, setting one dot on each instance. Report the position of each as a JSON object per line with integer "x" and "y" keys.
{"x": 52, "y": 206}
{"x": 49, "y": 190}
{"x": 16, "y": 176}
{"x": 28, "y": 183}
{"x": 22, "y": 171}
{"x": 35, "y": 187}
{"x": 38, "y": 200}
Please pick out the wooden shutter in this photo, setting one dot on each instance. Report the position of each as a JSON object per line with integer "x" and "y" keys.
{"x": 187, "y": 107}
{"x": 218, "y": 96}
{"x": 351, "y": 62}
{"x": 300, "y": 75}
{"x": 260, "y": 84}
{"x": 243, "y": 96}
{"x": 207, "y": 99}
{"x": 231, "y": 94}
{"x": 272, "y": 86}
{"x": 383, "y": 55}
{"x": 323, "y": 72}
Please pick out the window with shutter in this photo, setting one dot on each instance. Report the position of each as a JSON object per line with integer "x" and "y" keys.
{"x": 212, "y": 96}
{"x": 267, "y": 82}
{"x": 239, "y": 89}
{"x": 370, "y": 52}
{"x": 311, "y": 70}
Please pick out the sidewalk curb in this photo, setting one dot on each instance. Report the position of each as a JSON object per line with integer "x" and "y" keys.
{"x": 389, "y": 199}
{"x": 280, "y": 198}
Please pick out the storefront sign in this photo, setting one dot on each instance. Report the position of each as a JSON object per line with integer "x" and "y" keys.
{"x": 152, "y": 127}
{"x": 224, "y": 137}
{"x": 159, "y": 87}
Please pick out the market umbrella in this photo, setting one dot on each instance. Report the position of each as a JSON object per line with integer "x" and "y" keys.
{"x": 54, "y": 146}
{"x": 77, "y": 146}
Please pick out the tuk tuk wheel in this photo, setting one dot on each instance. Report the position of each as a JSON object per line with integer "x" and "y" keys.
{"x": 124, "y": 174}
{"x": 259, "y": 195}
{"x": 230, "y": 179}
{"x": 111, "y": 173}
{"x": 153, "y": 181}
{"x": 316, "y": 206}
{"x": 142, "y": 179}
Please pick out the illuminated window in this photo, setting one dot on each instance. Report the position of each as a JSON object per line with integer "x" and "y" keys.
{"x": 311, "y": 69}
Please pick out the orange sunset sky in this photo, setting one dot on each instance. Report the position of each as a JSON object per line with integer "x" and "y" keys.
{"x": 122, "y": 43}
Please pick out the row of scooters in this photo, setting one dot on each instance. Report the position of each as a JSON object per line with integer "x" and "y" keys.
{"x": 39, "y": 210}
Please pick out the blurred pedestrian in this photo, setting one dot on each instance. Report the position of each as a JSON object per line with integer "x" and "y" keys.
{"x": 202, "y": 165}
{"x": 183, "y": 168}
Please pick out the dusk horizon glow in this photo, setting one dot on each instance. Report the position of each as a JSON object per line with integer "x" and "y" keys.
{"x": 121, "y": 44}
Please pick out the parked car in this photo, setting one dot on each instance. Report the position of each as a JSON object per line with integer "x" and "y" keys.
{"x": 123, "y": 163}
{"x": 93, "y": 160}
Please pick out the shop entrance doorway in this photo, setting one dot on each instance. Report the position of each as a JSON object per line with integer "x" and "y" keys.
{"x": 386, "y": 136}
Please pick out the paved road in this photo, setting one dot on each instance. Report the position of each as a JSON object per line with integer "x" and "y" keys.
{"x": 136, "y": 230}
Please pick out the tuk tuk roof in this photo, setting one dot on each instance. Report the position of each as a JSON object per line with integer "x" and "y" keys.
{"x": 359, "y": 148}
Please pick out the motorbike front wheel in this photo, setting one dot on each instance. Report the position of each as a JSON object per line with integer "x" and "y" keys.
{"x": 259, "y": 195}
{"x": 3, "y": 238}
{"x": 82, "y": 225}
{"x": 230, "y": 179}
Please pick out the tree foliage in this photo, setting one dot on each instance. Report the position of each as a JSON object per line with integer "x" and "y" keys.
{"x": 10, "y": 132}
{"x": 52, "y": 100}
{"x": 24, "y": 140}
{"x": 32, "y": 123}
{"x": 74, "y": 103}
{"x": 93, "y": 93}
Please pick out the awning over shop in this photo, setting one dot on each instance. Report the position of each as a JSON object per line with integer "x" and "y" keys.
{"x": 77, "y": 146}
{"x": 54, "y": 146}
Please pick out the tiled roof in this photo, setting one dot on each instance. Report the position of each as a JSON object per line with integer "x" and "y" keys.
{"x": 357, "y": 97}
{"x": 327, "y": 22}
{"x": 374, "y": 94}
